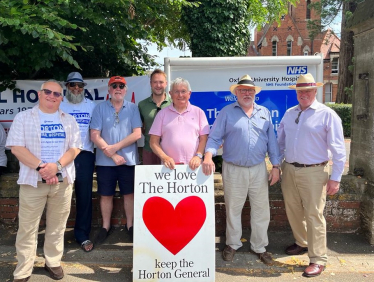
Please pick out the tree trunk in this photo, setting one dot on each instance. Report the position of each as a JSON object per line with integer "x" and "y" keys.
{"x": 345, "y": 59}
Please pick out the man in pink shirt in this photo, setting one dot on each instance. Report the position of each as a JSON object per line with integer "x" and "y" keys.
{"x": 180, "y": 131}
{"x": 306, "y": 135}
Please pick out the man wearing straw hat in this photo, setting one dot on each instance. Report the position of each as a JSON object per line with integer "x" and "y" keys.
{"x": 306, "y": 135}
{"x": 248, "y": 134}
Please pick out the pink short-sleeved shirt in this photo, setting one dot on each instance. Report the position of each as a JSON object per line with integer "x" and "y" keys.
{"x": 180, "y": 132}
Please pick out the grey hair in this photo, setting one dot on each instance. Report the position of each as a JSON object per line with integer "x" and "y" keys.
{"x": 51, "y": 80}
{"x": 179, "y": 81}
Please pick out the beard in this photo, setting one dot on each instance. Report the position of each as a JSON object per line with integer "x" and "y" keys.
{"x": 74, "y": 99}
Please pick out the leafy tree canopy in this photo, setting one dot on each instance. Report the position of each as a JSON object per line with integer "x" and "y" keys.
{"x": 50, "y": 38}
{"x": 221, "y": 27}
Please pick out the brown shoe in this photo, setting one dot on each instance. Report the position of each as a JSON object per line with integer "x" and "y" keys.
{"x": 313, "y": 270}
{"x": 56, "y": 273}
{"x": 22, "y": 279}
{"x": 295, "y": 250}
{"x": 228, "y": 253}
{"x": 265, "y": 257}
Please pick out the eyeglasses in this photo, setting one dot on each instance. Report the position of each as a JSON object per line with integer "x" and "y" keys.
{"x": 79, "y": 84}
{"x": 183, "y": 92}
{"x": 243, "y": 91}
{"x": 158, "y": 109}
{"x": 116, "y": 119}
{"x": 121, "y": 86}
{"x": 49, "y": 92}
{"x": 298, "y": 118}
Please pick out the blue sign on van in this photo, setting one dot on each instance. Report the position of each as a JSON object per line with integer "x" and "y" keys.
{"x": 277, "y": 101}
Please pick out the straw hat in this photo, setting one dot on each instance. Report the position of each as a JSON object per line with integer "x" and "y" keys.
{"x": 306, "y": 82}
{"x": 245, "y": 80}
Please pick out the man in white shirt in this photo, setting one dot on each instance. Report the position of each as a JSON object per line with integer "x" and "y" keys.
{"x": 306, "y": 135}
{"x": 81, "y": 108}
{"x": 45, "y": 140}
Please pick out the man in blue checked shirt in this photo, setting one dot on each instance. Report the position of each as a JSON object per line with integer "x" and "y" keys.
{"x": 247, "y": 134}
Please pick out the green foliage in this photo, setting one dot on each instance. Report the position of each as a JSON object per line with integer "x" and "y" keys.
{"x": 50, "y": 38}
{"x": 221, "y": 27}
{"x": 344, "y": 111}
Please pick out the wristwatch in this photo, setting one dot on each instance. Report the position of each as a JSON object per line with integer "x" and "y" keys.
{"x": 199, "y": 155}
{"x": 38, "y": 168}
{"x": 59, "y": 165}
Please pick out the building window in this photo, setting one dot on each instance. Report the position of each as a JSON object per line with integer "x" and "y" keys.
{"x": 335, "y": 65}
{"x": 307, "y": 9}
{"x": 328, "y": 92}
{"x": 289, "y": 48}
{"x": 274, "y": 48}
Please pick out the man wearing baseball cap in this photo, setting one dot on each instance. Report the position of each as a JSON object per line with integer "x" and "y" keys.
{"x": 81, "y": 108}
{"x": 247, "y": 134}
{"x": 115, "y": 128}
{"x": 306, "y": 134}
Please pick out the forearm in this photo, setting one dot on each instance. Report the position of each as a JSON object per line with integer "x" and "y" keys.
{"x": 25, "y": 156}
{"x": 202, "y": 143}
{"x": 98, "y": 140}
{"x": 130, "y": 139}
{"x": 156, "y": 147}
{"x": 69, "y": 156}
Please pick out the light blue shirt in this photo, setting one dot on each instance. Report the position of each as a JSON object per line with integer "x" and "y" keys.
{"x": 246, "y": 140}
{"x": 104, "y": 120}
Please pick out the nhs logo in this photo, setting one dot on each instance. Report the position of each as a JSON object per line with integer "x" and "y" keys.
{"x": 297, "y": 70}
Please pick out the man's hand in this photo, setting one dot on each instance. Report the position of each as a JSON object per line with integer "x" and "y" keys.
{"x": 274, "y": 176}
{"x": 48, "y": 170}
{"x": 168, "y": 162}
{"x": 332, "y": 187}
{"x": 110, "y": 150}
{"x": 118, "y": 160}
{"x": 52, "y": 181}
{"x": 208, "y": 164}
{"x": 195, "y": 162}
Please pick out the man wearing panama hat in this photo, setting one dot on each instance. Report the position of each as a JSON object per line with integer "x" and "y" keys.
{"x": 306, "y": 135}
{"x": 248, "y": 135}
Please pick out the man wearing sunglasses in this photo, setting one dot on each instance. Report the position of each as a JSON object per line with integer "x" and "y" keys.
{"x": 81, "y": 108}
{"x": 115, "y": 128}
{"x": 308, "y": 133}
{"x": 149, "y": 108}
{"x": 46, "y": 141}
{"x": 248, "y": 134}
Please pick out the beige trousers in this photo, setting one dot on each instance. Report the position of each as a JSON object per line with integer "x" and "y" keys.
{"x": 240, "y": 182}
{"x": 304, "y": 192}
{"x": 57, "y": 200}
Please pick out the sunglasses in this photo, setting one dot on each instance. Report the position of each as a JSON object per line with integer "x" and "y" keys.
{"x": 298, "y": 118}
{"x": 116, "y": 119}
{"x": 121, "y": 86}
{"x": 79, "y": 84}
{"x": 49, "y": 92}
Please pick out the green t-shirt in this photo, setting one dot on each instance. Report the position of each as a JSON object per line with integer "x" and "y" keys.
{"x": 148, "y": 111}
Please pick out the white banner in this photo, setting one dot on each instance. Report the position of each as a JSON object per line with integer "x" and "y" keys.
{"x": 13, "y": 102}
{"x": 174, "y": 224}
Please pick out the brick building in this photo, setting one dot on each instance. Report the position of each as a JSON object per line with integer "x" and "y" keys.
{"x": 291, "y": 38}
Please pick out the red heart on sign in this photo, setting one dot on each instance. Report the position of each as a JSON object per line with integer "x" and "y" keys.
{"x": 174, "y": 228}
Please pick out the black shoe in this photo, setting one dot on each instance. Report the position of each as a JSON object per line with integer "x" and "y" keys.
{"x": 102, "y": 235}
{"x": 130, "y": 231}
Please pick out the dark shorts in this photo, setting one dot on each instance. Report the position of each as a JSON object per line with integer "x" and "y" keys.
{"x": 109, "y": 176}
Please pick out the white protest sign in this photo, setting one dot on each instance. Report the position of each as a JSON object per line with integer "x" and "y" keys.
{"x": 174, "y": 224}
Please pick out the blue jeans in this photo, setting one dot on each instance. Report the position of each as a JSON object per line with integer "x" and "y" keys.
{"x": 84, "y": 168}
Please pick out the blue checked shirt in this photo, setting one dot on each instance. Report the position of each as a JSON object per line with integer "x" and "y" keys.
{"x": 246, "y": 140}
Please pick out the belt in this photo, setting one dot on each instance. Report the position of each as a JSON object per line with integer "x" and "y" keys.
{"x": 308, "y": 165}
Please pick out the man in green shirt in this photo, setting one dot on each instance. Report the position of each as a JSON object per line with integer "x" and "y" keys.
{"x": 149, "y": 108}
